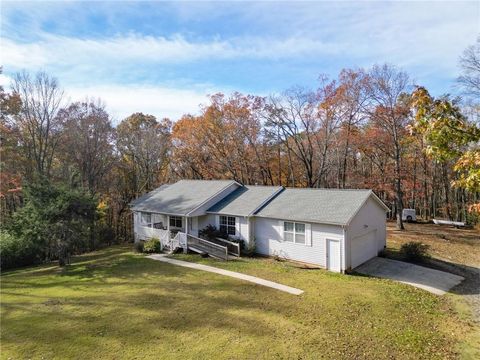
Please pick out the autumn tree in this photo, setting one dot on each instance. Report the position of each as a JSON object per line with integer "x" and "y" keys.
{"x": 449, "y": 136}
{"x": 353, "y": 98}
{"x": 387, "y": 88}
{"x": 11, "y": 161}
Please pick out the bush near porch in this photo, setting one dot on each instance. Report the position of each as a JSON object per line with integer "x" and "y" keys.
{"x": 116, "y": 303}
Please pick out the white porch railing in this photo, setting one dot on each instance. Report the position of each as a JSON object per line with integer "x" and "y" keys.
{"x": 167, "y": 240}
{"x": 179, "y": 241}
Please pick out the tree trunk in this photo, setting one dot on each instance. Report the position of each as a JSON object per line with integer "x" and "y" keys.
{"x": 398, "y": 189}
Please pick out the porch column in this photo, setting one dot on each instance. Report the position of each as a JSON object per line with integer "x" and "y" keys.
{"x": 186, "y": 225}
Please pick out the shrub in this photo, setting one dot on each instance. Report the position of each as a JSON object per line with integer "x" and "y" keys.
{"x": 17, "y": 251}
{"x": 152, "y": 246}
{"x": 414, "y": 250}
{"x": 138, "y": 246}
{"x": 250, "y": 249}
{"x": 105, "y": 235}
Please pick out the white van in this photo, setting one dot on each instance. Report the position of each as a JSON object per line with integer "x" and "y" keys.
{"x": 409, "y": 215}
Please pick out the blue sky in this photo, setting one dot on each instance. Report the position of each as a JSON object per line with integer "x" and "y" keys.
{"x": 163, "y": 58}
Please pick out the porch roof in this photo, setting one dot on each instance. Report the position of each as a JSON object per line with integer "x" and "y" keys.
{"x": 181, "y": 197}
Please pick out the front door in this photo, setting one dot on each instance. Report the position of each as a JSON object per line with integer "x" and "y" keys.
{"x": 333, "y": 255}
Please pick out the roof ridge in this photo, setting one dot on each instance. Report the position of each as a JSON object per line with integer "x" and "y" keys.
{"x": 230, "y": 180}
{"x": 329, "y": 189}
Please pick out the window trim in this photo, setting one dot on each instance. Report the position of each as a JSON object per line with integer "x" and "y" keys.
{"x": 295, "y": 233}
{"x": 175, "y": 219}
{"x": 228, "y": 224}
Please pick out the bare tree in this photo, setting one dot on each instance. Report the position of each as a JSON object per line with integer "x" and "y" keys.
{"x": 470, "y": 65}
{"x": 38, "y": 124}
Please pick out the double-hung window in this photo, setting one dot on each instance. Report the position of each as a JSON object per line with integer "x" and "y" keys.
{"x": 294, "y": 232}
{"x": 146, "y": 219}
{"x": 227, "y": 224}
{"x": 176, "y": 222}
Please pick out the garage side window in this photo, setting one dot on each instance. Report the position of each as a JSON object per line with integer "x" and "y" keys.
{"x": 227, "y": 224}
{"x": 294, "y": 232}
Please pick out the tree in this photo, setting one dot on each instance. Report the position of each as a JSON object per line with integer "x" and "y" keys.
{"x": 88, "y": 142}
{"x": 470, "y": 66}
{"x": 37, "y": 121}
{"x": 449, "y": 136}
{"x": 143, "y": 144}
{"x": 11, "y": 160}
{"x": 306, "y": 121}
{"x": 54, "y": 221}
{"x": 353, "y": 99}
{"x": 387, "y": 87}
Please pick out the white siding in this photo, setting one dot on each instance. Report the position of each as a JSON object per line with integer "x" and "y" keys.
{"x": 205, "y": 206}
{"x": 374, "y": 217}
{"x": 243, "y": 230}
{"x": 242, "y": 227}
{"x": 267, "y": 238}
{"x": 205, "y": 220}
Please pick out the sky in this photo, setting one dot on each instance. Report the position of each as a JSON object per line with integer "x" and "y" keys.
{"x": 164, "y": 58}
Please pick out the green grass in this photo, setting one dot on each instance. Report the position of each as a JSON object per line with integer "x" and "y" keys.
{"x": 115, "y": 304}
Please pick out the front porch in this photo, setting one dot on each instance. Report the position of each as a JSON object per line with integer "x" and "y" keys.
{"x": 176, "y": 232}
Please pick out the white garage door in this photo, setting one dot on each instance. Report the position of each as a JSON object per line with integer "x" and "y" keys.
{"x": 363, "y": 248}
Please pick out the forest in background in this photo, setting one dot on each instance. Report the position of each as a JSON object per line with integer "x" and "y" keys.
{"x": 68, "y": 172}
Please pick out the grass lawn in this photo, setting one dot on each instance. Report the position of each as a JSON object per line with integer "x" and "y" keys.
{"x": 116, "y": 304}
{"x": 458, "y": 246}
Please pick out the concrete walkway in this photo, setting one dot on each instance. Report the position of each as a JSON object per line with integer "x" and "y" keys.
{"x": 233, "y": 274}
{"x": 435, "y": 281}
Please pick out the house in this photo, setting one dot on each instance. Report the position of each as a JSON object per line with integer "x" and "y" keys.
{"x": 334, "y": 229}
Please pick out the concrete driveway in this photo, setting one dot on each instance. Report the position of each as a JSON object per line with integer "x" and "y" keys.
{"x": 435, "y": 281}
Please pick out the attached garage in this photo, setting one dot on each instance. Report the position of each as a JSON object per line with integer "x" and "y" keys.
{"x": 346, "y": 227}
{"x": 363, "y": 248}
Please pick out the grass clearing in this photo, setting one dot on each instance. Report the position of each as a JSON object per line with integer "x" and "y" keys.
{"x": 458, "y": 246}
{"x": 117, "y": 304}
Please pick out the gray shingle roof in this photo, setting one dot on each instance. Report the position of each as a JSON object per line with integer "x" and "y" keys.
{"x": 326, "y": 206}
{"x": 181, "y": 197}
{"x": 245, "y": 200}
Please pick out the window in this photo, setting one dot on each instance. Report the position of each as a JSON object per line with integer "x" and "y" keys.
{"x": 176, "y": 221}
{"x": 145, "y": 219}
{"x": 294, "y": 232}
{"x": 227, "y": 224}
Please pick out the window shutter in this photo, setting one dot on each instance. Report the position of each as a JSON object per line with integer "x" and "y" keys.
{"x": 280, "y": 230}
{"x": 308, "y": 234}
{"x": 217, "y": 221}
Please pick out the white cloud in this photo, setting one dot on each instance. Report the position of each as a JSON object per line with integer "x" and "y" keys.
{"x": 70, "y": 51}
{"x": 124, "y": 100}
